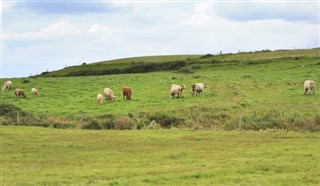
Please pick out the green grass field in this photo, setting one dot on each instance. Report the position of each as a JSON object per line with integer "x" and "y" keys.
{"x": 44, "y": 156}
{"x": 255, "y": 90}
{"x": 253, "y": 125}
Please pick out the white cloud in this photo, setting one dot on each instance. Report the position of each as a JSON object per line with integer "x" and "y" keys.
{"x": 99, "y": 28}
{"x": 4, "y": 6}
{"x": 62, "y": 28}
{"x": 53, "y": 40}
{"x": 271, "y": 31}
{"x": 261, "y": 10}
{"x": 58, "y": 29}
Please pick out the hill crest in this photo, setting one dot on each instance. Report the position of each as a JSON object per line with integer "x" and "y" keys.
{"x": 145, "y": 64}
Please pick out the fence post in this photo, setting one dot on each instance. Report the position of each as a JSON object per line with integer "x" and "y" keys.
{"x": 81, "y": 118}
{"x": 18, "y": 118}
{"x": 240, "y": 122}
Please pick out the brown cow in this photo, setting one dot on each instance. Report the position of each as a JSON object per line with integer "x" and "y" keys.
{"x": 126, "y": 92}
{"x": 19, "y": 93}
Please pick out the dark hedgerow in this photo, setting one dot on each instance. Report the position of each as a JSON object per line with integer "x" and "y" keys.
{"x": 8, "y": 109}
{"x": 165, "y": 121}
{"x": 279, "y": 120}
{"x": 206, "y": 56}
{"x": 124, "y": 123}
{"x": 134, "y": 68}
{"x": 59, "y": 125}
{"x": 93, "y": 125}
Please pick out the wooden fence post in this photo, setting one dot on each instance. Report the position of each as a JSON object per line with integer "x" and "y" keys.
{"x": 240, "y": 122}
{"x": 18, "y": 118}
{"x": 81, "y": 118}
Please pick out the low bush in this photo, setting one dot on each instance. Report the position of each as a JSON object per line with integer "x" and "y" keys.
{"x": 185, "y": 71}
{"x": 207, "y": 56}
{"x": 58, "y": 125}
{"x": 165, "y": 120}
{"x": 215, "y": 62}
{"x": 124, "y": 123}
{"x": 7, "y": 109}
{"x": 107, "y": 123}
{"x": 142, "y": 123}
{"x": 92, "y": 125}
{"x": 200, "y": 117}
{"x": 12, "y": 115}
{"x": 279, "y": 120}
{"x": 195, "y": 67}
{"x": 317, "y": 119}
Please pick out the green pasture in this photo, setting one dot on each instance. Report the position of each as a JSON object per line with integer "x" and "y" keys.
{"x": 117, "y": 64}
{"x": 254, "y": 106}
{"x": 268, "y": 86}
{"x": 44, "y": 156}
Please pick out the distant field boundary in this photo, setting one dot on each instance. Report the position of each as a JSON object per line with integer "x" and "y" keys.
{"x": 174, "y": 62}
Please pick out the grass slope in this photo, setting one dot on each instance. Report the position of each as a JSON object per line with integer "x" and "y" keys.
{"x": 41, "y": 156}
{"x": 118, "y": 66}
{"x": 248, "y": 89}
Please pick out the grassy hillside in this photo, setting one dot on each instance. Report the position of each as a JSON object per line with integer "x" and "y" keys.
{"x": 247, "y": 90}
{"x": 123, "y": 66}
{"x": 41, "y": 156}
{"x": 146, "y": 64}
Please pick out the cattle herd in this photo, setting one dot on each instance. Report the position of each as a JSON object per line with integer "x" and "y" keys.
{"x": 175, "y": 91}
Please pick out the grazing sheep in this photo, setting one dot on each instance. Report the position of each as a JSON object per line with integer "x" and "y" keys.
{"x": 100, "y": 99}
{"x": 19, "y": 93}
{"x": 35, "y": 92}
{"x": 197, "y": 88}
{"x": 109, "y": 95}
{"x": 126, "y": 93}
{"x": 7, "y": 86}
{"x": 309, "y": 86}
{"x": 176, "y": 90}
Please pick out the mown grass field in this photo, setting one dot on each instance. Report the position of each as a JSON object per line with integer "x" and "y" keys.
{"x": 44, "y": 156}
{"x": 253, "y": 89}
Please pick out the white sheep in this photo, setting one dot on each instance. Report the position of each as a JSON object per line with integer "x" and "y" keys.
{"x": 100, "y": 99}
{"x": 309, "y": 86}
{"x": 35, "y": 92}
{"x": 108, "y": 93}
{"x": 176, "y": 90}
{"x": 197, "y": 88}
{"x": 7, "y": 86}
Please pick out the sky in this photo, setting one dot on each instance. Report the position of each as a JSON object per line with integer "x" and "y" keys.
{"x": 47, "y": 35}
